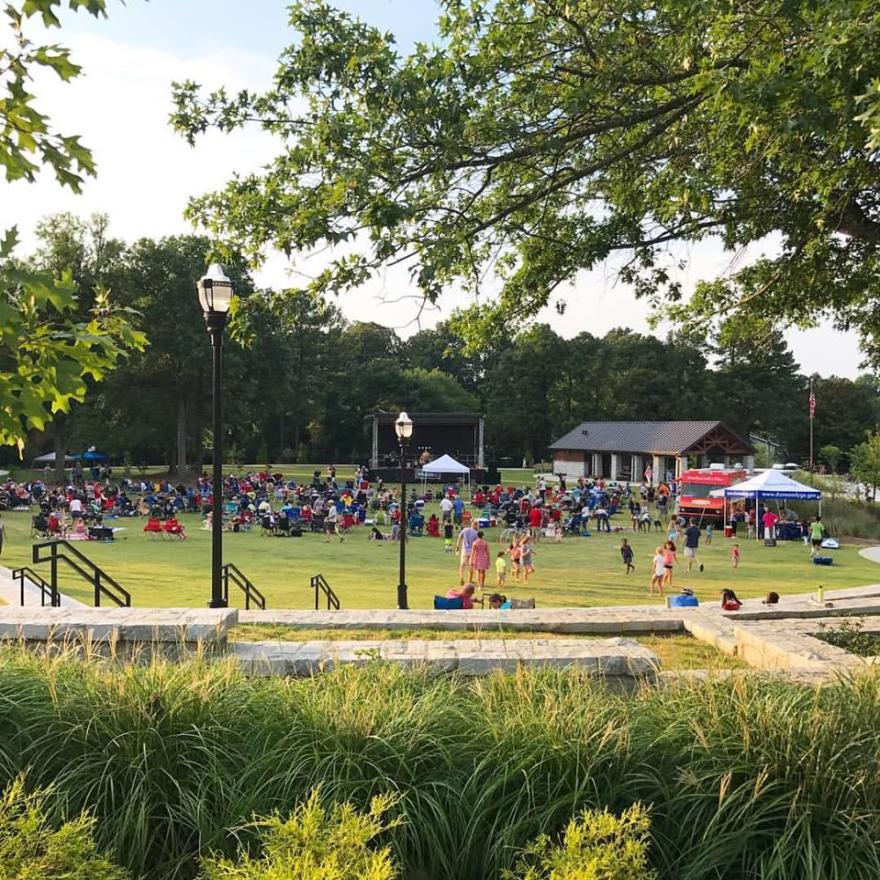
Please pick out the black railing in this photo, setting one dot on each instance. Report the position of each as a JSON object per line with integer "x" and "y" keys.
{"x": 232, "y": 574}
{"x": 104, "y": 585}
{"x": 320, "y": 585}
{"x": 48, "y": 596}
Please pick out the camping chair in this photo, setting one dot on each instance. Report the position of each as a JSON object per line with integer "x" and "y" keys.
{"x": 153, "y": 527}
{"x": 441, "y": 603}
{"x": 174, "y": 529}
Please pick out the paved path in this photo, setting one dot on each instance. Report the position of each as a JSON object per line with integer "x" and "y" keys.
{"x": 10, "y": 592}
{"x": 872, "y": 553}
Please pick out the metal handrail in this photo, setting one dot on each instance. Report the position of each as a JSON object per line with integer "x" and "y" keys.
{"x": 233, "y": 573}
{"x": 320, "y": 585}
{"x": 25, "y": 573}
{"x": 103, "y": 583}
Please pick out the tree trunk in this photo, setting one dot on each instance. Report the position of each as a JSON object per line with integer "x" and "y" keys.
{"x": 60, "y": 455}
{"x": 181, "y": 435}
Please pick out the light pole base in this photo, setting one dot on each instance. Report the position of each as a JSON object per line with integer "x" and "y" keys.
{"x": 402, "y": 603}
{"x": 218, "y": 603}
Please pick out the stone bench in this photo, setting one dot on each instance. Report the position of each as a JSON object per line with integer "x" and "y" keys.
{"x": 607, "y": 658}
{"x": 119, "y": 628}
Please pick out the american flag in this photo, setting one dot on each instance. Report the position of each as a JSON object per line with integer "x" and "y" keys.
{"x": 812, "y": 402}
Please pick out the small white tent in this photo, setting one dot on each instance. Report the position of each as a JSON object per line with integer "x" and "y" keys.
{"x": 444, "y": 465}
{"x": 49, "y": 459}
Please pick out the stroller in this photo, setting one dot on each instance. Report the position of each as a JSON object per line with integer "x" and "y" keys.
{"x": 40, "y": 526}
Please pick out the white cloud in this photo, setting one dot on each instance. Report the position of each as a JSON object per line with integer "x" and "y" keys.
{"x": 146, "y": 173}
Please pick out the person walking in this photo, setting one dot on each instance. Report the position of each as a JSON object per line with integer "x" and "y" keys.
{"x": 817, "y": 533}
{"x": 658, "y": 573}
{"x": 480, "y": 559}
{"x": 626, "y": 553}
{"x": 692, "y": 544}
{"x": 464, "y": 545}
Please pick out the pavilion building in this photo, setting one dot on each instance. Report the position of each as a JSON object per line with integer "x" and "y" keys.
{"x": 623, "y": 451}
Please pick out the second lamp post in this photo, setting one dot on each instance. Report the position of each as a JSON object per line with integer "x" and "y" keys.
{"x": 404, "y": 428}
{"x": 215, "y": 295}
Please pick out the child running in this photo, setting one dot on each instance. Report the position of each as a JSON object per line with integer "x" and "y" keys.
{"x": 525, "y": 557}
{"x": 670, "y": 558}
{"x": 734, "y": 556}
{"x": 709, "y": 530}
{"x": 447, "y": 536}
{"x": 626, "y": 553}
{"x": 514, "y": 554}
{"x": 500, "y": 569}
{"x": 658, "y": 573}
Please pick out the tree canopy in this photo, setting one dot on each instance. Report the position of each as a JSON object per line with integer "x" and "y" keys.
{"x": 51, "y": 342}
{"x": 536, "y": 138}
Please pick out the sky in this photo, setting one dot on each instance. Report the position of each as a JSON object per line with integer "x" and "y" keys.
{"x": 146, "y": 173}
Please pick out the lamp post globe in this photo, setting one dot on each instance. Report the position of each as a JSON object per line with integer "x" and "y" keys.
{"x": 215, "y": 291}
{"x": 403, "y": 427}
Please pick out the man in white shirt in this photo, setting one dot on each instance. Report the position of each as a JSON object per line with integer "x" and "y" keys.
{"x": 76, "y": 507}
{"x": 446, "y": 508}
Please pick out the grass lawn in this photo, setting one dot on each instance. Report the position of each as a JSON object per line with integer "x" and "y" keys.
{"x": 578, "y": 572}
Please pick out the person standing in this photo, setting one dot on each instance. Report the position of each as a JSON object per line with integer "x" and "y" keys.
{"x": 626, "y": 553}
{"x": 817, "y": 533}
{"x": 446, "y": 508}
{"x": 692, "y": 544}
{"x": 658, "y": 573}
{"x": 465, "y": 545}
{"x": 2, "y": 534}
{"x": 480, "y": 559}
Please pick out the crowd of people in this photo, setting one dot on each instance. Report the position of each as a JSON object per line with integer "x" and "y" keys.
{"x": 523, "y": 516}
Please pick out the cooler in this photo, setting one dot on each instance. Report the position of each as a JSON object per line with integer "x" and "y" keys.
{"x": 728, "y": 531}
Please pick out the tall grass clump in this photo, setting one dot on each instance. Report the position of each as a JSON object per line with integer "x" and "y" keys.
{"x": 749, "y": 777}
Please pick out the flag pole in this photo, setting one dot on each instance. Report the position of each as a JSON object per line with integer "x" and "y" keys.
{"x": 812, "y": 414}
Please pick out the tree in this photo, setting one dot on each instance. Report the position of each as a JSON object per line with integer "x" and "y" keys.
{"x": 538, "y": 137}
{"x": 49, "y": 342}
{"x": 831, "y": 455}
{"x": 866, "y": 463}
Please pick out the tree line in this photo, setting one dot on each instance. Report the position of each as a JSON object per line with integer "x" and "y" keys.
{"x": 299, "y": 377}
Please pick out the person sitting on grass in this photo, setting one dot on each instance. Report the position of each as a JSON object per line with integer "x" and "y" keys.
{"x": 466, "y": 594}
{"x": 376, "y": 535}
{"x": 729, "y": 601}
{"x": 497, "y": 602}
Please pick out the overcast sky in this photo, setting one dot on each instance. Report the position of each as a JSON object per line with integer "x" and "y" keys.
{"x": 120, "y": 107}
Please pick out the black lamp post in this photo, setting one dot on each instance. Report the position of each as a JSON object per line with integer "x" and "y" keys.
{"x": 215, "y": 295}
{"x": 404, "y": 428}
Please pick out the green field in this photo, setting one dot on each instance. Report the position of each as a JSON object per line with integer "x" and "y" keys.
{"x": 577, "y": 572}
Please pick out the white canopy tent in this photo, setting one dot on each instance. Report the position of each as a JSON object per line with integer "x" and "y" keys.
{"x": 444, "y": 465}
{"x": 49, "y": 458}
{"x": 770, "y": 485}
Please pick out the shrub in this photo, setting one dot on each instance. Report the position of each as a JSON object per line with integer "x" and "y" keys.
{"x": 850, "y": 636}
{"x": 597, "y": 845}
{"x": 314, "y": 844}
{"x": 30, "y": 849}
